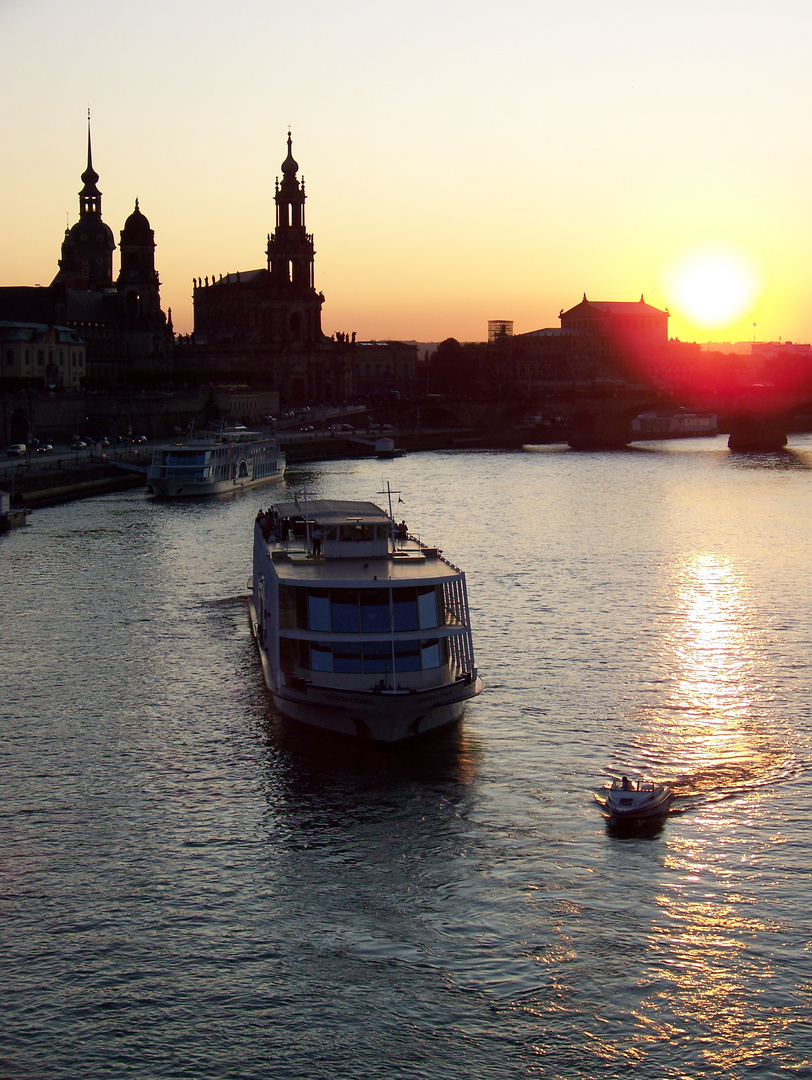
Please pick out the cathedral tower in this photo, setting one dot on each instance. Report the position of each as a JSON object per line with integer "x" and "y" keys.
{"x": 87, "y": 250}
{"x": 137, "y": 284}
{"x": 290, "y": 255}
{"x": 276, "y": 307}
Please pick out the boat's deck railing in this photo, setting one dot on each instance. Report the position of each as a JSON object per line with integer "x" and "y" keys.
{"x": 400, "y": 548}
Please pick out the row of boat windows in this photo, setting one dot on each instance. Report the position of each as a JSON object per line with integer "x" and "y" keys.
{"x": 197, "y": 465}
{"x": 266, "y": 468}
{"x": 347, "y": 533}
{"x": 362, "y": 611}
{"x": 220, "y": 454}
{"x": 369, "y": 657}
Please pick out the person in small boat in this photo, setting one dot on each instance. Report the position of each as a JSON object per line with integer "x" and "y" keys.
{"x": 316, "y": 537}
{"x": 626, "y": 783}
{"x": 403, "y": 531}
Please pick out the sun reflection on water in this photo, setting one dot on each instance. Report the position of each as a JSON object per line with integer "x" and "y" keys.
{"x": 716, "y": 952}
{"x": 713, "y": 729}
{"x": 710, "y": 642}
{"x": 715, "y": 732}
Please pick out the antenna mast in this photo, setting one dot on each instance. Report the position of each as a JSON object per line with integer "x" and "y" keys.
{"x": 389, "y": 493}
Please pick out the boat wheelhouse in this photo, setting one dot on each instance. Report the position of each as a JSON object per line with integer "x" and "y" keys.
{"x": 227, "y": 461}
{"x": 638, "y": 799}
{"x": 362, "y": 629}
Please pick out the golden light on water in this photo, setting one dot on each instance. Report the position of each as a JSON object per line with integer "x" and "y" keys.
{"x": 703, "y": 737}
{"x": 711, "y": 731}
{"x": 702, "y": 943}
{"x": 714, "y": 733}
{"x": 710, "y": 643}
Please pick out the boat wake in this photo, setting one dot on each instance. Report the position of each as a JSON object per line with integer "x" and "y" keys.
{"x": 693, "y": 791}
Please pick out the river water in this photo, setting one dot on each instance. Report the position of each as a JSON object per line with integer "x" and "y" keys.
{"x": 192, "y": 889}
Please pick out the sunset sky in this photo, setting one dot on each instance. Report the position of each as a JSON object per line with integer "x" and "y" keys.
{"x": 463, "y": 161}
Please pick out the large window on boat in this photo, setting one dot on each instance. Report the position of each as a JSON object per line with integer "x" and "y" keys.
{"x": 430, "y": 654}
{"x": 407, "y": 656}
{"x": 350, "y": 533}
{"x": 404, "y": 609}
{"x": 358, "y": 611}
{"x": 318, "y": 609}
{"x": 375, "y": 611}
{"x": 377, "y": 657}
{"x": 186, "y": 459}
{"x": 427, "y": 606}
{"x": 347, "y": 658}
{"x": 321, "y": 657}
{"x": 344, "y": 606}
{"x": 372, "y": 657}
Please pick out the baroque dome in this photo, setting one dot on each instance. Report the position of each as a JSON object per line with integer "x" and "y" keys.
{"x": 137, "y": 224}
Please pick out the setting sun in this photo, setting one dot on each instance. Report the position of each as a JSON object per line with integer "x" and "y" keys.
{"x": 711, "y": 289}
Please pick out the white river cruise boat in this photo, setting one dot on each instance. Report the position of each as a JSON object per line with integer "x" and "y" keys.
{"x": 362, "y": 629}
{"x": 226, "y": 461}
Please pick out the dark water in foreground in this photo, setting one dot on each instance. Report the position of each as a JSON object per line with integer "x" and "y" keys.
{"x": 189, "y": 889}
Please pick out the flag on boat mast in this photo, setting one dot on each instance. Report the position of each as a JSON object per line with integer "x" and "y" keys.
{"x": 389, "y": 493}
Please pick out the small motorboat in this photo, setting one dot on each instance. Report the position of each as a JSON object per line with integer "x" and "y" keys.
{"x": 635, "y": 800}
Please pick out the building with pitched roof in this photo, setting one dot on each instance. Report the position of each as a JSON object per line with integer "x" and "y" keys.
{"x": 631, "y": 325}
{"x": 126, "y": 334}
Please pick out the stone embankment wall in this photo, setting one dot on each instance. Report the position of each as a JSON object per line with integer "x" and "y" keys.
{"x": 39, "y": 488}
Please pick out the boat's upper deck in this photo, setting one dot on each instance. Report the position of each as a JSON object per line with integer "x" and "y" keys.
{"x": 334, "y": 541}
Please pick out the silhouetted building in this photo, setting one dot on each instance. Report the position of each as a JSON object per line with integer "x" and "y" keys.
{"x": 264, "y": 326}
{"x": 87, "y": 250}
{"x": 599, "y": 343}
{"x": 127, "y": 336}
{"x": 631, "y": 325}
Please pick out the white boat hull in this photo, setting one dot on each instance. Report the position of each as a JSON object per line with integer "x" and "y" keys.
{"x": 387, "y": 717}
{"x": 170, "y": 489}
{"x": 638, "y": 805}
{"x": 216, "y": 466}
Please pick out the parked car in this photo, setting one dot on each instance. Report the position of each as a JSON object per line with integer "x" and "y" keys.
{"x": 45, "y": 448}
{"x": 17, "y": 449}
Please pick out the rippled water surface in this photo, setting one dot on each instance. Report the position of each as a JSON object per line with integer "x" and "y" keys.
{"x": 192, "y": 889}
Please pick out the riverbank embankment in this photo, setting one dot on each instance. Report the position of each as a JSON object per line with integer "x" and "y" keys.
{"x": 37, "y": 488}
{"x": 58, "y": 481}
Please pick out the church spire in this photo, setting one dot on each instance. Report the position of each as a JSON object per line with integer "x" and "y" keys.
{"x": 290, "y": 166}
{"x": 87, "y": 250}
{"x": 89, "y": 196}
{"x": 290, "y": 255}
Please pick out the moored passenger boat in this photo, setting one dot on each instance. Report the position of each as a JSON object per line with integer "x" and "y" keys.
{"x": 362, "y": 629}
{"x": 225, "y": 461}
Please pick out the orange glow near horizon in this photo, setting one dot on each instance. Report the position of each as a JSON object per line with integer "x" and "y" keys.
{"x": 443, "y": 191}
